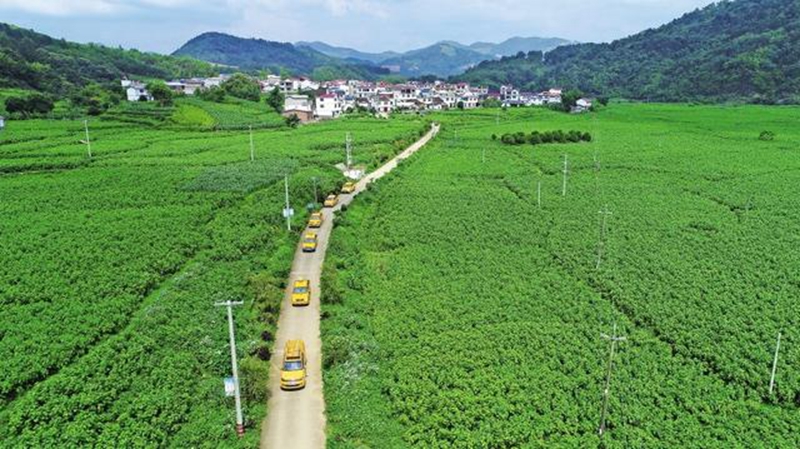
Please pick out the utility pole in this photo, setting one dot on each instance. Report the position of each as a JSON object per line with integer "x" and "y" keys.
{"x": 566, "y": 170}
{"x": 613, "y": 340}
{"x": 316, "y": 195}
{"x": 88, "y": 142}
{"x": 287, "y": 212}
{"x": 234, "y": 365}
{"x": 539, "y": 194}
{"x": 601, "y": 245}
{"x": 775, "y": 364}
{"x": 349, "y": 144}
{"x": 252, "y": 148}
{"x": 483, "y": 155}
{"x": 497, "y": 118}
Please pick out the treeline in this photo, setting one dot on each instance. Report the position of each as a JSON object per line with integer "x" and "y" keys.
{"x": 744, "y": 50}
{"x": 34, "y": 61}
{"x": 537, "y": 138}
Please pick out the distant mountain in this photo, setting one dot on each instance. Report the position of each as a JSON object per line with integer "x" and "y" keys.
{"x": 515, "y": 45}
{"x": 441, "y": 59}
{"x": 348, "y": 53}
{"x": 31, "y": 60}
{"x": 259, "y": 54}
{"x": 732, "y": 50}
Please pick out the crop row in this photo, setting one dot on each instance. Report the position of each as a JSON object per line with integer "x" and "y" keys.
{"x": 458, "y": 313}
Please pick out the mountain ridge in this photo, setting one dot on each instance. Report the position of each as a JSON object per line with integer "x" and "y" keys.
{"x": 727, "y": 51}
{"x": 260, "y": 54}
{"x": 443, "y": 58}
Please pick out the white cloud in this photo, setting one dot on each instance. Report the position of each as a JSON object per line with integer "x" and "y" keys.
{"x": 62, "y": 8}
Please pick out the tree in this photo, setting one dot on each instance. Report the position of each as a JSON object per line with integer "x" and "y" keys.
{"x": 242, "y": 86}
{"x": 292, "y": 121}
{"x": 460, "y": 105}
{"x": 94, "y": 98}
{"x": 33, "y": 104}
{"x": 570, "y": 98}
{"x": 213, "y": 93}
{"x": 275, "y": 100}
{"x": 161, "y": 93}
{"x": 491, "y": 103}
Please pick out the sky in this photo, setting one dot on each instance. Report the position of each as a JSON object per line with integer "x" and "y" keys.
{"x": 368, "y": 25}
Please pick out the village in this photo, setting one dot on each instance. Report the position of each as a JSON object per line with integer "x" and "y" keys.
{"x": 311, "y": 100}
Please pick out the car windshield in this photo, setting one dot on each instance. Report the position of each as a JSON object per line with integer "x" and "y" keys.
{"x": 300, "y": 289}
{"x": 294, "y": 365}
{"x": 310, "y": 239}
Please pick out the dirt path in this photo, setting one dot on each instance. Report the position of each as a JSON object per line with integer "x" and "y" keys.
{"x": 296, "y": 419}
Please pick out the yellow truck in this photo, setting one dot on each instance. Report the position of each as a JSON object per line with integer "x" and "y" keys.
{"x": 310, "y": 242}
{"x": 301, "y": 293}
{"x": 331, "y": 200}
{"x": 316, "y": 219}
{"x": 293, "y": 370}
{"x": 349, "y": 187}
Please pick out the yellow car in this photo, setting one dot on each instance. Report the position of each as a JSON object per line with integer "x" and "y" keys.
{"x": 331, "y": 200}
{"x": 293, "y": 370}
{"x": 315, "y": 221}
{"x": 301, "y": 293}
{"x": 310, "y": 242}
{"x": 349, "y": 187}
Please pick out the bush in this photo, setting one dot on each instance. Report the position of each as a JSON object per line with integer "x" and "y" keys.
{"x": 95, "y": 99}
{"x": 292, "y": 121}
{"x": 34, "y": 104}
{"x": 214, "y": 94}
{"x": 766, "y": 136}
{"x": 161, "y": 93}
{"x": 254, "y": 379}
{"x": 537, "y": 138}
{"x": 242, "y": 86}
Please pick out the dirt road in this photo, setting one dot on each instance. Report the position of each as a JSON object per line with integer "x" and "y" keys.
{"x": 296, "y": 419}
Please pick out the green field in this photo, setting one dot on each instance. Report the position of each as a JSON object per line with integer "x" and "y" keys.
{"x": 459, "y": 313}
{"x": 109, "y": 268}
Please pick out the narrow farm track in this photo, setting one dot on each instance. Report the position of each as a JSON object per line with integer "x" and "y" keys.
{"x": 296, "y": 419}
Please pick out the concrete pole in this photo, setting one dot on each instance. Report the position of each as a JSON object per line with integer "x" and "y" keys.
{"x": 234, "y": 366}
{"x": 88, "y": 142}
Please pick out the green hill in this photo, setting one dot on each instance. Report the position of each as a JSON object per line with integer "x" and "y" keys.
{"x": 738, "y": 50}
{"x": 442, "y": 59}
{"x": 30, "y": 60}
{"x": 259, "y": 54}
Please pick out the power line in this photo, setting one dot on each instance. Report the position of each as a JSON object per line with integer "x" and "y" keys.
{"x": 601, "y": 244}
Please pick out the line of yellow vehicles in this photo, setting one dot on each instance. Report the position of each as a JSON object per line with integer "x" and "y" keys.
{"x": 293, "y": 369}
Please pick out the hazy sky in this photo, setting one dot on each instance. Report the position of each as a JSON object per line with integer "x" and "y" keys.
{"x": 372, "y": 25}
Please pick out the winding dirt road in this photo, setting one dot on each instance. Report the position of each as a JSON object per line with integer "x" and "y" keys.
{"x": 296, "y": 419}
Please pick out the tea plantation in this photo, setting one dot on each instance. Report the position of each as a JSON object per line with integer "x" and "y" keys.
{"x": 110, "y": 266}
{"x": 459, "y": 311}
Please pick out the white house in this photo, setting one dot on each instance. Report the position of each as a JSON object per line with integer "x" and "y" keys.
{"x": 136, "y": 91}
{"x": 2, "y": 122}
{"x": 299, "y": 105}
{"x": 469, "y": 101}
{"x": 582, "y": 105}
{"x": 328, "y": 106}
{"x": 386, "y": 104}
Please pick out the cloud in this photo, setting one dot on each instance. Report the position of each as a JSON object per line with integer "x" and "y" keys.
{"x": 372, "y": 25}
{"x": 62, "y": 8}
